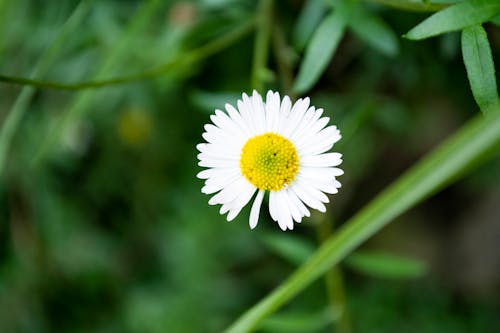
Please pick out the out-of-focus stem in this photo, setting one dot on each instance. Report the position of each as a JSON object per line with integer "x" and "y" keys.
{"x": 285, "y": 69}
{"x": 335, "y": 285}
{"x": 195, "y": 55}
{"x": 261, "y": 47}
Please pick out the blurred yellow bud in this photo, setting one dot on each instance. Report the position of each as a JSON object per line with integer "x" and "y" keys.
{"x": 134, "y": 127}
{"x": 183, "y": 13}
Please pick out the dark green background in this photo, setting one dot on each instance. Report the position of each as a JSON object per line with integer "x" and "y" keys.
{"x": 107, "y": 231}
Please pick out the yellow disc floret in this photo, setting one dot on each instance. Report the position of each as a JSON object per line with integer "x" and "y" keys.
{"x": 269, "y": 161}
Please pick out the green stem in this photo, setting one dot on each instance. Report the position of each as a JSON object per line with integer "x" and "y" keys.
{"x": 261, "y": 47}
{"x": 441, "y": 167}
{"x": 334, "y": 281}
{"x": 285, "y": 67}
{"x": 195, "y": 55}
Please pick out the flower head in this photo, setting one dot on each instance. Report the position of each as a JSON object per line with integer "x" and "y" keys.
{"x": 270, "y": 146}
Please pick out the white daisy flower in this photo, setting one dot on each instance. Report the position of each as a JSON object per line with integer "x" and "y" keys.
{"x": 270, "y": 146}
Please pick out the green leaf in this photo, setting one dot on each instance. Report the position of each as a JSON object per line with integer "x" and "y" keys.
{"x": 434, "y": 172}
{"x": 456, "y": 17}
{"x": 320, "y": 51}
{"x": 480, "y": 68}
{"x": 374, "y": 31}
{"x": 292, "y": 248}
{"x": 386, "y": 265}
{"x": 309, "y": 19}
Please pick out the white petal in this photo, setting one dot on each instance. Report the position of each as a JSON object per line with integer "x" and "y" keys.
{"x": 218, "y": 151}
{"x": 214, "y": 185}
{"x": 219, "y": 156}
{"x": 225, "y": 123}
{"x": 254, "y": 213}
{"x": 322, "y": 185}
{"x": 215, "y": 172}
{"x": 321, "y": 142}
{"x": 272, "y": 111}
{"x": 298, "y": 203}
{"x": 301, "y": 105}
{"x": 218, "y": 163}
{"x": 241, "y": 201}
{"x": 296, "y": 116}
{"x": 259, "y": 112}
{"x": 230, "y": 192}
{"x": 225, "y": 140}
{"x": 272, "y": 206}
{"x": 294, "y": 210}
{"x": 312, "y": 190}
{"x": 324, "y": 174}
{"x": 245, "y": 108}
{"x": 307, "y": 198}
{"x": 238, "y": 119}
{"x": 286, "y": 104}
{"x": 281, "y": 211}
{"x": 284, "y": 217}
{"x": 323, "y": 160}
{"x": 303, "y": 126}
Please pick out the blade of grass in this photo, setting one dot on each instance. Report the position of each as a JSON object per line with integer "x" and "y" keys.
{"x": 17, "y": 111}
{"x": 431, "y": 174}
{"x": 478, "y": 61}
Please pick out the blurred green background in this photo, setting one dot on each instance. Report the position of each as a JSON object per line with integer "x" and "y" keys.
{"x": 103, "y": 227}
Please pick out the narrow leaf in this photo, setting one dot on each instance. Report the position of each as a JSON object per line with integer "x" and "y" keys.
{"x": 456, "y": 17}
{"x": 386, "y": 265}
{"x": 320, "y": 51}
{"x": 434, "y": 172}
{"x": 309, "y": 19}
{"x": 480, "y": 68}
{"x": 374, "y": 31}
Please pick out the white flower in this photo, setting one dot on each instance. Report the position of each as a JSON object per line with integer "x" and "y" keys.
{"x": 270, "y": 146}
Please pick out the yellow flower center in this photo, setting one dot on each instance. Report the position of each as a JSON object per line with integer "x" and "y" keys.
{"x": 269, "y": 161}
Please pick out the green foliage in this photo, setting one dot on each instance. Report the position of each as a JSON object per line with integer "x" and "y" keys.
{"x": 480, "y": 68}
{"x": 320, "y": 50}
